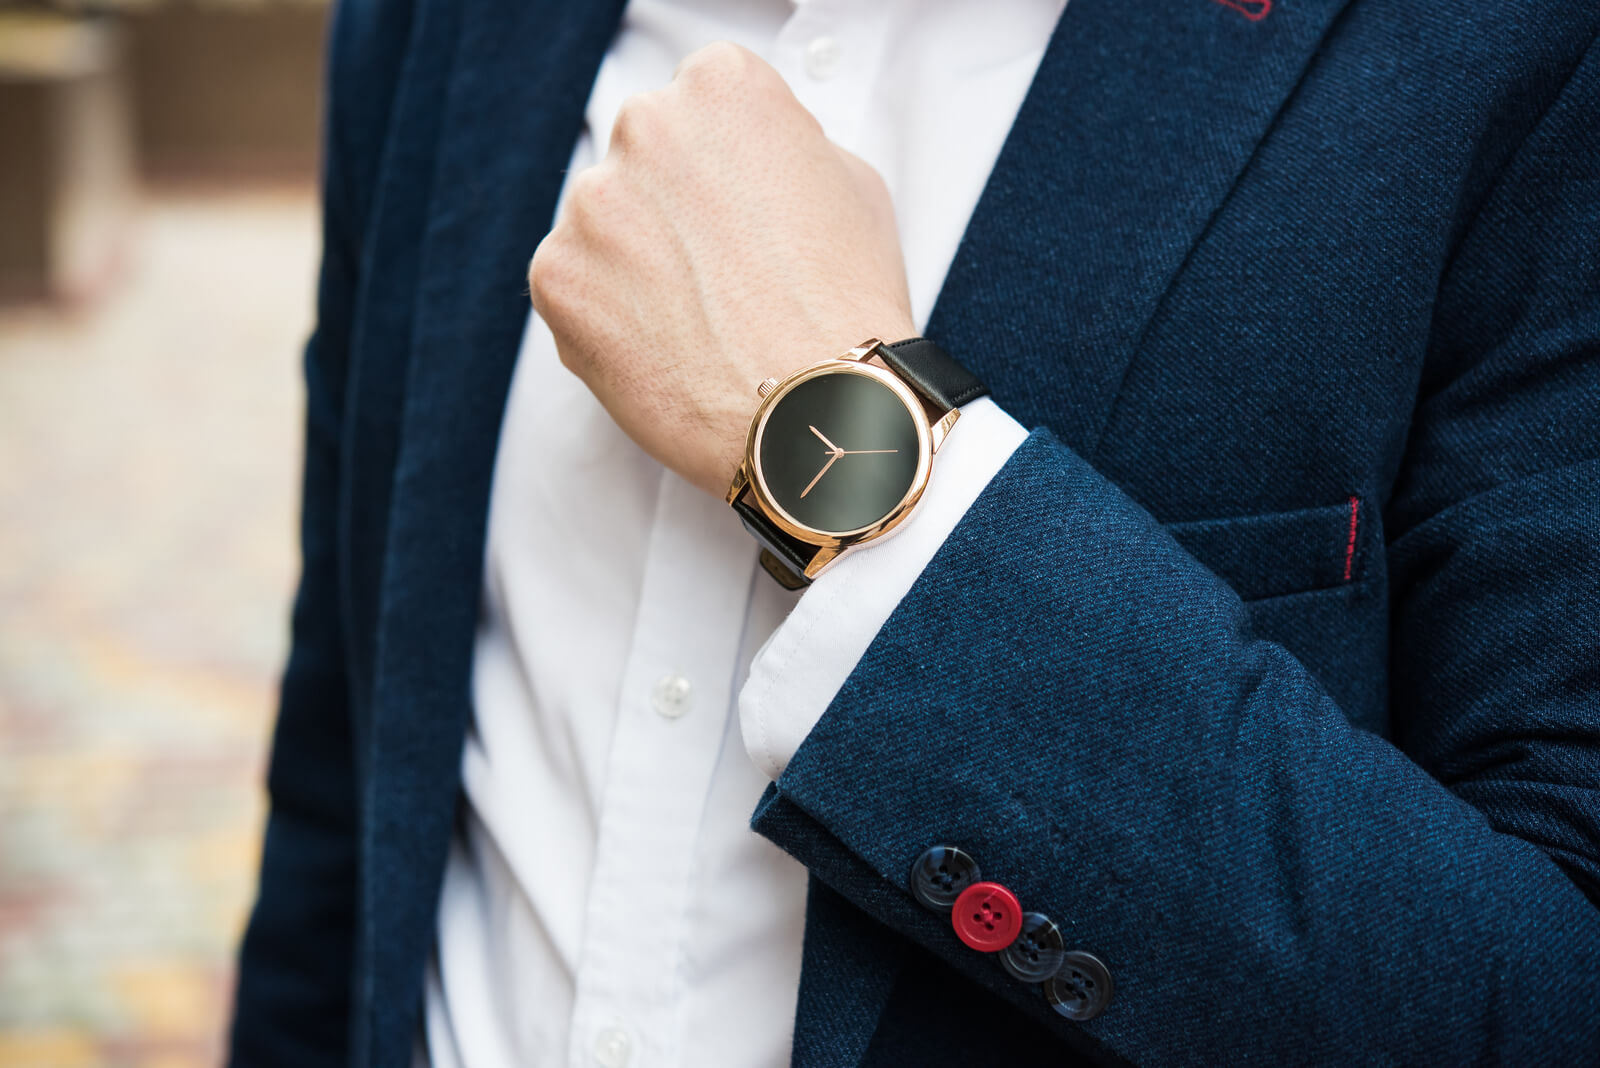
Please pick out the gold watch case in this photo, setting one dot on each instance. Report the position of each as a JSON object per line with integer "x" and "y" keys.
{"x": 931, "y": 433}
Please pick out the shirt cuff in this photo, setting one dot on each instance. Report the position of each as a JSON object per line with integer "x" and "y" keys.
{"x": 796, "y": 674}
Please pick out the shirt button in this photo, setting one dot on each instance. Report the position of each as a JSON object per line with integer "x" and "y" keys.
{"x": 612, "y": 1048}
{"x": 672, "y": 696}
{"x": 987, "y": 917}
{"x": 822, "y": 58}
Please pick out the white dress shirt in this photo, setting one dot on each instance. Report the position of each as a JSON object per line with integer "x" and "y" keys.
{"x": 637, "y": 678}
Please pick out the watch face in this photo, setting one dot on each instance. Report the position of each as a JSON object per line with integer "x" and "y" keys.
{"x": 839, "y": 452}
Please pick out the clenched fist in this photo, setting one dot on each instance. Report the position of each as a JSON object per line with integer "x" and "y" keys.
{"x": 723, "y": 239}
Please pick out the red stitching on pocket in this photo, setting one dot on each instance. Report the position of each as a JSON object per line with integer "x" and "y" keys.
{"x": 1350, "y": 546}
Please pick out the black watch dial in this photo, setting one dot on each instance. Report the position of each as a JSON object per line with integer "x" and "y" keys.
{"x": 839, "y": 452}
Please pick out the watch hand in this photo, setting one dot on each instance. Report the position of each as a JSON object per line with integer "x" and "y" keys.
{"x": 825, "y": 441}
{"x": 836, "y": 454}
{"x": 863, "y": 452}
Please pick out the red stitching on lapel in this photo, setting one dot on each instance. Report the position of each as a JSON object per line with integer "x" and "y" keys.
{"x": 1350, "y": 546}
{"x": 1254, "y": 10}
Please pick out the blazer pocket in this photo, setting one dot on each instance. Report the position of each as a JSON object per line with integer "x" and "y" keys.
{"x": 1279, "y": 553}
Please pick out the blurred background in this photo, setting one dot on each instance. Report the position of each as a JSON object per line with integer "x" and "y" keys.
{"x": 158, "y": 238}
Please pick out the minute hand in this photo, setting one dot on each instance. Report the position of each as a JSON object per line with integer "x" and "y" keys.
{"x": 831, "y": 458}
{"x": 863, "y": 452}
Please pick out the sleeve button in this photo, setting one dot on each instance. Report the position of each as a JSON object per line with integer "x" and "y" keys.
{"x": 1081, "y": 990}
{"x": 987, "y": 917}
{"x": 940, "y": 875}
{"x": 1037, "y": 953}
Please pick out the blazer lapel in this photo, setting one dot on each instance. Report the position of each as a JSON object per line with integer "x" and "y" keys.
{"x": 1142, "y": 116}
{"x": 511, "y": 113}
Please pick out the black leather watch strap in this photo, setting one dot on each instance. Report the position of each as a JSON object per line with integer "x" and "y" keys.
{"x": 784, "y": 558}
{"x": 933, "y": 372}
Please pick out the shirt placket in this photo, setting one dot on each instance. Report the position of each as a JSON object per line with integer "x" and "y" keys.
{"x": 830, "y": 53}
{"x": 675, "y": 698}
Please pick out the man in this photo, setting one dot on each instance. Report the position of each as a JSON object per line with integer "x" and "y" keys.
{"x": 1245, "y": 711}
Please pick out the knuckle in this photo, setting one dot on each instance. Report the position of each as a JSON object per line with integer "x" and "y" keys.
{"x": 539, "y": 273}
{"x": 637, "y": 118}
{"x": 549, "y": 275}
{"x": 714, "y": 62}
{"x": 558, "y": 288}
{"x": 585, "y": 186}
{"x": 587, "y": 192}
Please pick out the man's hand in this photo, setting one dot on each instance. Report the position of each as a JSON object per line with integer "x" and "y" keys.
{"x": 722, "y": 240}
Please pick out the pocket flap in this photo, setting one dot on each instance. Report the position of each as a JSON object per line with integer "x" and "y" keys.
{"x": 1281, "y": 552}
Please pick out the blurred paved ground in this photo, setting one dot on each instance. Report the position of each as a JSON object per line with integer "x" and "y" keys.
{"x": 148, "y": 462}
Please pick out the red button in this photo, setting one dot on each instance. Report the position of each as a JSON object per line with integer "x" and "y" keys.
{"x": 987, "y": 917}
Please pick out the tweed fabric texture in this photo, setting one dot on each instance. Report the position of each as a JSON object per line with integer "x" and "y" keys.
{"x": 1268, "y": 667}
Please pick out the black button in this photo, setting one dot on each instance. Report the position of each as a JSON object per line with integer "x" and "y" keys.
{"x": 1081, "y": 990}
{"x": 939, "y": 876}
{"x": 1037, "y": 953}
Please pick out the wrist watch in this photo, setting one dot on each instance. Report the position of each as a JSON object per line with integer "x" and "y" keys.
{"x": 839, "y": 452}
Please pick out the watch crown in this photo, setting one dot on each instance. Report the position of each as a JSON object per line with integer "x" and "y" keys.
{"x": 767, "y": 385}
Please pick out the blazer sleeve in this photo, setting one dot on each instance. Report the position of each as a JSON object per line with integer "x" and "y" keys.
{"x": 292, "y": 1001}
{"x": 1072, "y": 699}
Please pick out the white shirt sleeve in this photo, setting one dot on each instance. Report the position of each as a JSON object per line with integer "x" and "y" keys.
{"x": 796, "y": 674}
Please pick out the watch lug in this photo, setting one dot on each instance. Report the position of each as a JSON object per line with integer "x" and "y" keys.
{"x": 741, "y": 480}
{"x": 863, "y": 350}
{"x": 826, "y": 555}
{"x": 941, "y": 429}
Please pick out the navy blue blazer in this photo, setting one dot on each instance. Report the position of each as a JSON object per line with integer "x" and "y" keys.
{"x": 1268, "y": 666}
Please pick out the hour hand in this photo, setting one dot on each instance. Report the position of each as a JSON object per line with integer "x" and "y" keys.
{"x": 831, "y": 446}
